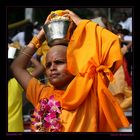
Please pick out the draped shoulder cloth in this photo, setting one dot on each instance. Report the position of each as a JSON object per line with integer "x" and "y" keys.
{"x": 91, "y": 54}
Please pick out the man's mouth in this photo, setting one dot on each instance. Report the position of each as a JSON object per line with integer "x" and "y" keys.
{"x": 54, "y": 75}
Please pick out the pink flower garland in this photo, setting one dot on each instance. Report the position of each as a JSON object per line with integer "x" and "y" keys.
{"x": 47, "y": 118}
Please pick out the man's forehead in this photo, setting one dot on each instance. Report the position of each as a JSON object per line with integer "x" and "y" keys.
{"x": 57, "y": 48}
{"x": 57, "y": 51}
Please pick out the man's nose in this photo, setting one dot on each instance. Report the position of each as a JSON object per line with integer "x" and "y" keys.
{"x": 53, "y": 66}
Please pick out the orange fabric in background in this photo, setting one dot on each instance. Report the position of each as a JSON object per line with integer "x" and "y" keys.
{"x": 87, "y": 104}
{"x": 42, "y": 51}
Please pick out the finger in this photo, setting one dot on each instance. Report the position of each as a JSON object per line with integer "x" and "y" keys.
{"x": 66, "y": 15}
{"x": 68, "y": 11}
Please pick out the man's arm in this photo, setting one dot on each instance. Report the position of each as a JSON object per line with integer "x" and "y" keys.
{"x": 19, "y": 65}
{"x": 38, "y": 68}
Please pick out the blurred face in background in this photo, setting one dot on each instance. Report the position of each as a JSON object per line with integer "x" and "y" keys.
{"x": 56, "y": 67}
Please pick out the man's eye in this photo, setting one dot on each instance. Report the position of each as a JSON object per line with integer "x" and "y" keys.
{"x": 56, "y": 62}
{"x": 59, "y": 62}
{"x": 48, "y": 65}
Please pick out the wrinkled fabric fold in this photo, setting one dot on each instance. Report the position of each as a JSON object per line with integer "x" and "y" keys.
{"x": 91, "y": 53}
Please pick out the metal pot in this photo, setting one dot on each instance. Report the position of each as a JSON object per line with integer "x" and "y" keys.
{"x": 58, "y": 32}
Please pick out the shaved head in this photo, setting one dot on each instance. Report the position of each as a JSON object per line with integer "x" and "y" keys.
{"x": 56, "y": 67}
{"x": 59, "y": 49}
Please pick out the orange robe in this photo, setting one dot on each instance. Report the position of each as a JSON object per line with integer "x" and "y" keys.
{"x": 87, "y": 104}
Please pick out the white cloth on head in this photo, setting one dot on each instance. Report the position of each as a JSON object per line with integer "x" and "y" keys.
{"x": 128, "y": 37}
{"x": 127, "y": 24}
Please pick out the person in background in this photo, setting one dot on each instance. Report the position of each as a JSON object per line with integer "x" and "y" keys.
{"x": 36, "y": 28}
{"x": 15, "y": 91}
{"x": 122, "y": 87}
{"x": 41, "y": 57}
{"x": 15, "y": 120}
{"x": 126, "y": 46}
{"x": 79, "y": 99}
{"x": 23, "y": 37}
{"x": 102, "y": 20}
{"x": 126, "y": 22}
{"x": 116, "y": 28}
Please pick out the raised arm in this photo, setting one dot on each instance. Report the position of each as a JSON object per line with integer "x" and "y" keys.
{"x": 19, "y": 65}
{"x": 38, "y": 68}
{"x": 75, "y": 18}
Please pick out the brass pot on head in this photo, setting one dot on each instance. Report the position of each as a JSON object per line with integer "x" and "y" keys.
{"x": 59, "y": 32}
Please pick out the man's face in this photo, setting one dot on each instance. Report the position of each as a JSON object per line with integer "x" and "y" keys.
{"x": 56, "y": 67}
